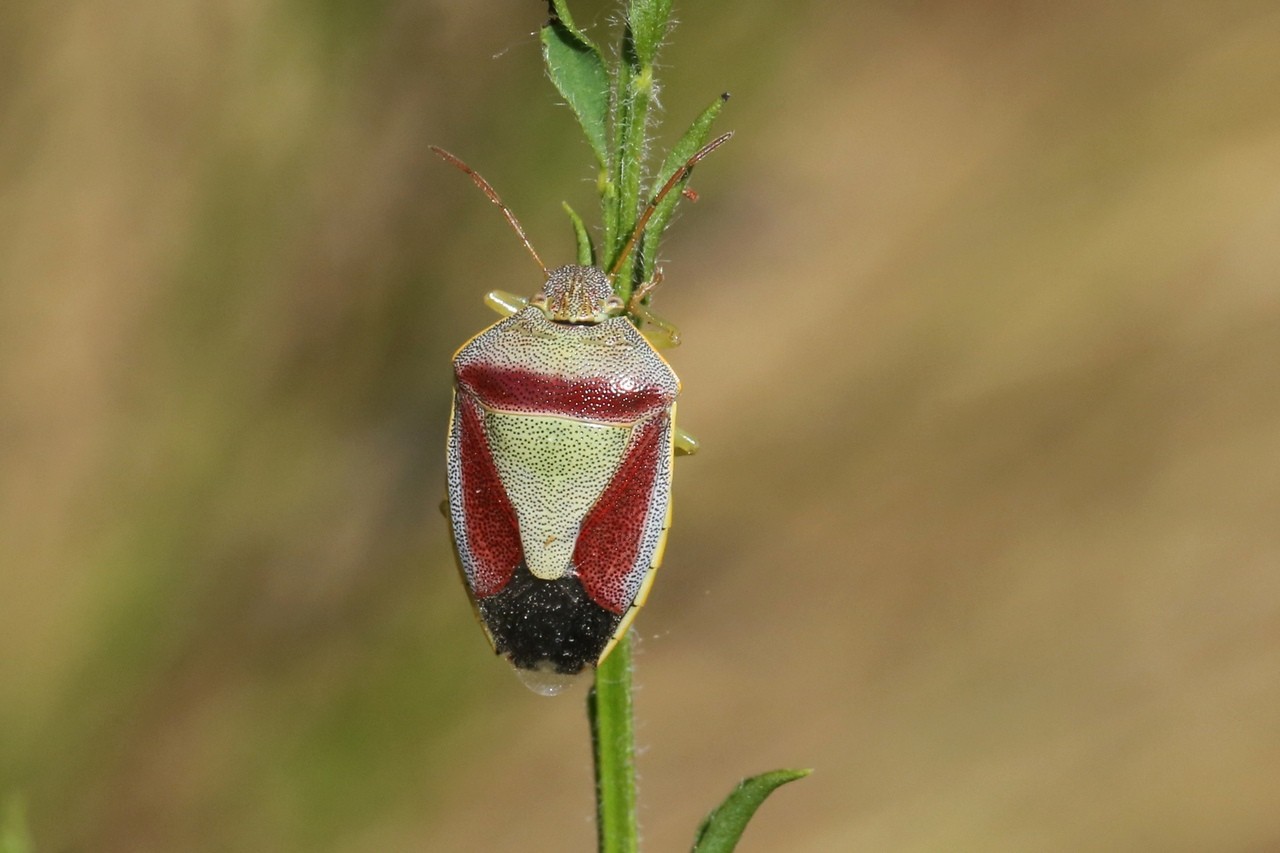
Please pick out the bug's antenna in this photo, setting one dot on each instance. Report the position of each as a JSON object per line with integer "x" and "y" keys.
{"x": 493, "y": 197}
{"x": 679, "y": 175}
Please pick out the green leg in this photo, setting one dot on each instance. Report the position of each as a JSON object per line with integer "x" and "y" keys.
{"x": 686, "y": 445}
{"x": 505, "y": 303}
{"x": 657, "y": 331}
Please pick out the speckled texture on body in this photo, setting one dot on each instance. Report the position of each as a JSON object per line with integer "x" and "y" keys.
{"x": 560, "y": 456}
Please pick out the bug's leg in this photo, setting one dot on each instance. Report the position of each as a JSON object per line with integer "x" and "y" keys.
{"x": 657, "y": 331}
{"x": 505, "y": 303}
{"x": 686, "y": 445}
{"x": 444, "y": 504}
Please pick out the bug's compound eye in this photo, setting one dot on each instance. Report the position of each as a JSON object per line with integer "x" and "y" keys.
{"x": 614, "y": 305}
{"x": 538, "y": 300}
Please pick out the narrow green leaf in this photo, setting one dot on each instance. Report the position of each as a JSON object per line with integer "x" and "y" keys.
{"x": 578, "y": 71}
{"x": 694, "y": 138}
{"x": 634, "y": 90}
{"x": 720, "y": 832}
{"x": 649, "y": 20}
{"x": 559, "y": 10}
{"x": 586, "y": 251}
{"x": 628, "y": 160}
{"x": 613, "y": 741}
{"x": 613, "y": 195}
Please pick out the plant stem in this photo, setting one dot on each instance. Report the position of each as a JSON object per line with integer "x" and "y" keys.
{"x": 609, "y": 709}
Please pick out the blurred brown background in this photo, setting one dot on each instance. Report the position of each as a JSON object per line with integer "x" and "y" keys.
{"x": 982, "y": 320}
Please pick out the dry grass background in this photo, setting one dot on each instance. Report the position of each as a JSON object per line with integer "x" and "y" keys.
{"x": 982, "y": 320}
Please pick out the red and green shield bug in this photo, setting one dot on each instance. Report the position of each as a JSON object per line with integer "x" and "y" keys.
{"x": 561, "y": 443}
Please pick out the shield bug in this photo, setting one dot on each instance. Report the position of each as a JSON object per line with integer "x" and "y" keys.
{"x": 560, "y": 451}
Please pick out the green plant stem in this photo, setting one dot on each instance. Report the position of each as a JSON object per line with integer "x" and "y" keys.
{"x": 613, "y": 741}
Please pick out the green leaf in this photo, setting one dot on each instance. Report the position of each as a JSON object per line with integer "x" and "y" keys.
{"x": 586, "y": 251}
{"x": 720, "y": 832}
{"x": 559, "y": 10}
{"x": 649, "y": 21}
{"x": 634, "y": 90}
{"x": 578, "y": 71}
{"x": 631, "y": 126}
{"x": 611, "y": 195}
{"x": 694, "y": 138}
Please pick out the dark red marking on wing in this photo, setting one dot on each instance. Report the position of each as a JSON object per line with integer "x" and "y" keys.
{"x": 493, "y": 532}
{"x": 508, "y": 389}
{"x": 610, "y": 537}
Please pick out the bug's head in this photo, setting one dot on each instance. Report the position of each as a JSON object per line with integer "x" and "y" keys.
{"x": 579, "y": 295}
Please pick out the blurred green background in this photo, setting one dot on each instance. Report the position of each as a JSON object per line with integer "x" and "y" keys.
{"x": 982, "y": 320}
